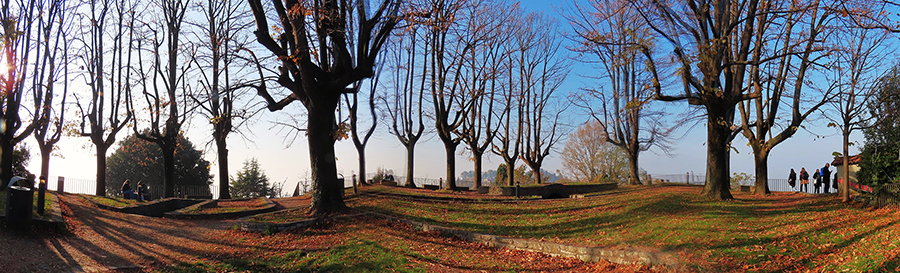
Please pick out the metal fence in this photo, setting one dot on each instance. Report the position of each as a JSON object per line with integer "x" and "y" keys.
{"x": 779, "y": 185}
{"x": 89, "y": 186}
{"x": 882, "y": 196}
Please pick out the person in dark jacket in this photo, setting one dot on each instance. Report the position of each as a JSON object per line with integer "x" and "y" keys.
{"x": 792, "y": 179}
{"x": 804, "y": 179}
{"x": 127, "y": 193}
{"x": 817, "y": 176}
{"x": 826, "y": 178}
{"x": 141, "y": 189}
{"x": 834, "y": 182}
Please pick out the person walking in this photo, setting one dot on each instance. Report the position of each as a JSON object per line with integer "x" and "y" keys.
{"x": 826, "y": 178}
{"x": 792, "y": 179}
{"x": 804, "y": 180}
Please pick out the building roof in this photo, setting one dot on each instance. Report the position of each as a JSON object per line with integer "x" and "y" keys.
{"x": 838, "y": 161}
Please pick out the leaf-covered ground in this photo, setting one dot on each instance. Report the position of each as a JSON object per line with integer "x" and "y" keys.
{"x": 781, "y": 232}
{"x": 99, "y": 240}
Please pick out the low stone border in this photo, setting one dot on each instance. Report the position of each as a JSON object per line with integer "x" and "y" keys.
{"x": 620, "y": 255}
{"x": 180, "y": 214}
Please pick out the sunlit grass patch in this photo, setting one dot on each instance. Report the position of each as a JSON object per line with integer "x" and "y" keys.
{"x": 785, "y": 231}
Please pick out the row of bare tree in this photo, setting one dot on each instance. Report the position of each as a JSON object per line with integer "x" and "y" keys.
{"x": 492, "y": 70}
{"x": 754, "y": 68}
{"x": 134, "y": 63}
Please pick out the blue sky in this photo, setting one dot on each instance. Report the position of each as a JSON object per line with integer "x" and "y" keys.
{"x": 283, "y": 162}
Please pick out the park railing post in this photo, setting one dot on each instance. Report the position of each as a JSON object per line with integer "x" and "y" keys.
{"x": 60, "y": 183}
{"x": 517, "y": 189}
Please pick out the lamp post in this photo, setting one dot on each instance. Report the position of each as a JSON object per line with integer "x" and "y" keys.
{"x": 42, "y": 189}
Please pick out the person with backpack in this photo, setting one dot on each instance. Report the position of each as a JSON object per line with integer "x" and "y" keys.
{"x": 804, "y": 180}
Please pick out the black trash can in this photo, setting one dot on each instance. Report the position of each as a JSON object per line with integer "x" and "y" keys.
{"x": 18, "y": 206}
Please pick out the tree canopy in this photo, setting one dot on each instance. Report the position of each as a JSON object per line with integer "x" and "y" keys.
{"x": 139, "y": 160}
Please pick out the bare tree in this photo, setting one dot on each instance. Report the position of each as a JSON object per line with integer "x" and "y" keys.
{"x": 53, "y": 49}
{"x": 720, "y": 36}
{"x": 622, "y": 107}
{"x": 860, "y": 56}
{"x": 404, "y": 107}
{"x": 483, "y": 77}
{"x": 318, "y": 62}
{"x": 446, "y": 45}
{"x": 164, "y": 115}
{"x": 19, "y": 21}
{"x": 542, "y": 77}
{"x": 353, "y": 109}
{"x": 788, "y": 46}
{"x": 510, "y": 117}
{"x": 223, "y": 74}
{"x": 108, "y": 74}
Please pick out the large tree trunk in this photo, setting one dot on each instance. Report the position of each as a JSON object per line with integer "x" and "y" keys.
{"x": 101, "y": 169}
{"x": 451, "y": 165}
{"x": 718, "y": 180}
{"x": 362, "y": 166}
{"x": 844, "y": 188}
{"x": 633, "y": 164}
{"x": 222, "y": 149}
{"x": 538, "y": 176}
{"x": 326, "y": 193}
{"x": 410, "y": 165}
{"x": 6, "y": 158}
{"x": 761, "y": 159}
{"x": 511, "y": 172}
{"x": 169, "y": 169}
{"x": 477, "y": 156}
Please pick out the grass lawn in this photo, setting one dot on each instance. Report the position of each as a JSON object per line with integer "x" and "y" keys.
{"x": 283, "y": 216}
{"x": 48, "y": 202}
{"x": 783, "y": 232}
{"x": 376, "y": 245}
{"x": 111, "y": 201}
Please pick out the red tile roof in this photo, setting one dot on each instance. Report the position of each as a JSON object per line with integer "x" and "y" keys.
{"x": 838, "y": 161}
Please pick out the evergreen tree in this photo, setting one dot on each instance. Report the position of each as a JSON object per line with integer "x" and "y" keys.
{"x": 251, "y": 182}
{"x": 880, "y": 162}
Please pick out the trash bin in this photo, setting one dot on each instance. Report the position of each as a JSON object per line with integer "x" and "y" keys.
{"x": 18, "y": 206}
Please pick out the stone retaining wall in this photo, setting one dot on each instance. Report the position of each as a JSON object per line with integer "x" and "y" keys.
{"x": 557, "y": 190}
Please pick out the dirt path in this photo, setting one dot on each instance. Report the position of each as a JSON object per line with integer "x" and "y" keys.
{"x": 100, "y": 240}
{"x": 105, "y": 240}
